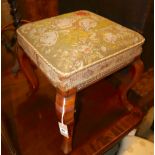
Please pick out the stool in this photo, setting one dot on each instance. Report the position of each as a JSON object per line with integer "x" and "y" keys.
{"x": 75, "y": 50}
{"x": 132, "y": 145}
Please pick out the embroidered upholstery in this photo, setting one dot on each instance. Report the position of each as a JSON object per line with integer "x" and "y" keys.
{"x": 78, "y": 48}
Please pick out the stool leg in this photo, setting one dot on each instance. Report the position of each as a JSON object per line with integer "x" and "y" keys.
{"x": 67, "y": 100}
{"x": 134, "y": 74}
{"x": 27, "y": 70}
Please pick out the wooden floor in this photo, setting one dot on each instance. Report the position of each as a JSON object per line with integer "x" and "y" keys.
{"x": 33, "y": 118}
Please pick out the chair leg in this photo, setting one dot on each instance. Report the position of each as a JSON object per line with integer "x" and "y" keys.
{"x": 65, "y": 108}
{"x": 130, "y": 80}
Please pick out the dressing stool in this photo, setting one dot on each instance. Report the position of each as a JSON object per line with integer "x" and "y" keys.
{"x": 75, "y": 50}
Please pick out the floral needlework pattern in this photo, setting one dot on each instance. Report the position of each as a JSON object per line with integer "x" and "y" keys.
{"x": 78, "y": 48}
{"x": 49, "y": 38}
{"x": 77, "y": 39}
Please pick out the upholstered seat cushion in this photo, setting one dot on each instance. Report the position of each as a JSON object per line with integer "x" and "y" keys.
{"x": 78, "y": 48}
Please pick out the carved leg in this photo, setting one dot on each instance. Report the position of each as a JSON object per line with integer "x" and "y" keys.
{"x": 27, "y": 69}
{"x": 130, "y": 80}
{"x": 65, "y": 104}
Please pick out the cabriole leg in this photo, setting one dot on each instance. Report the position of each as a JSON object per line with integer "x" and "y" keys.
{"x": 65, "y": 104}
{"x": 130, "y": 80}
